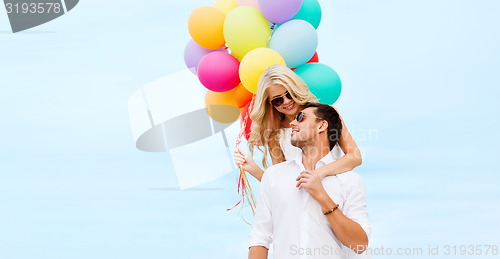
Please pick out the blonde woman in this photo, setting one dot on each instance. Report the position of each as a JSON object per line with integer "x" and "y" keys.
{"x": 280, "y": 96}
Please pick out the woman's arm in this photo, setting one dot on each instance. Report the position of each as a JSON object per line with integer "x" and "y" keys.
{"x": 276, "y": 153}
{"x": 248, "y": 164}
{"x": 349, "y": 161}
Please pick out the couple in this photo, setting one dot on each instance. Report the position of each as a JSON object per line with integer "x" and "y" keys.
{"x": 304, "y": 216}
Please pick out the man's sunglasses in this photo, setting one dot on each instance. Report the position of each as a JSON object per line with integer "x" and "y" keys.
{"x": 278, "y": 101}
{"x": 300, "y": 117}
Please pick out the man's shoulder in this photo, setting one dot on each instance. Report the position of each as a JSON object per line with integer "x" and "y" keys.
{"x": 350, "y": 177}
{"x": 280, "y": 167}
{"x": 283, "y": 165}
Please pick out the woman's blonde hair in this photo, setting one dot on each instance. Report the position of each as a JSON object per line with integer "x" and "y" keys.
{"x": 266, "y": 120}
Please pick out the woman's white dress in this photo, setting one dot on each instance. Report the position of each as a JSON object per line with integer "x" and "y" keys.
{"x": 292, "y": 152}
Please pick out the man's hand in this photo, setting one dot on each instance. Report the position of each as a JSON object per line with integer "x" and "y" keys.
{"x": 312, "y": 183}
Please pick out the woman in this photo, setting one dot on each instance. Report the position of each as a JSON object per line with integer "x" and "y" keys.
{"x": 279, "y": 97}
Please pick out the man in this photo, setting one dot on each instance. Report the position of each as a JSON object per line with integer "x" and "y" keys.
{"x": 301, "y": 215}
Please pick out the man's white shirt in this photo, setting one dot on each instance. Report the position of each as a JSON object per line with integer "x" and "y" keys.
{"x": 293, "y": 221}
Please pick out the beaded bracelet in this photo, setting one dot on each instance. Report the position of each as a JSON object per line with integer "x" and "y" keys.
{"x": 328, "y": 212}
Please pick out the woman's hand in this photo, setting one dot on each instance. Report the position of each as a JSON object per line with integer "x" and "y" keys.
{"x": 247, "y": 163}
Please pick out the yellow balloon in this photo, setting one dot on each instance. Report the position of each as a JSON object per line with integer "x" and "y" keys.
{"x": 225, "y": 5}
{"x": 205, "y": 25}
{"x": 254, "y": 63}
{"x": 221, "y": 106}
{"x": 246, "y": 29}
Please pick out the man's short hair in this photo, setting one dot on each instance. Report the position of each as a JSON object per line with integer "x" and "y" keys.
{"x": 330, "y": 115}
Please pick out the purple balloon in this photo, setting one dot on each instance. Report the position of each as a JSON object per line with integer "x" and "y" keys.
{"x": 193, "y": 53}
{"x": 279, "y": 11}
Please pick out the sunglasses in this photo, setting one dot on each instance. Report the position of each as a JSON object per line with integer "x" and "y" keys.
{"x": 278, "y": 101}
{"x": 300, "y": 117}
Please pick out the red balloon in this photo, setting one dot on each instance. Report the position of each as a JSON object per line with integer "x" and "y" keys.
{"x": 314, "y": 59}
{"x": 248, "y": 127}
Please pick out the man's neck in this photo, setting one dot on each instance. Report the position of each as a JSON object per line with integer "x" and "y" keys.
{"x": 313, "y": 153}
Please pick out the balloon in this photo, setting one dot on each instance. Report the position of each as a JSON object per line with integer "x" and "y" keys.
{"x": 225, "y": 5}
{"x": 322, "y": 80}
{"x": 218, "y": 71}
{"x": 254, "y": 63}
{"x": 246, "y": 29}
{"x": 296, "y": 41}
{"x": 193, "y": 53}
{"x": 309, "y": 12}
{"x": 221, "y": 106}
{"x": 242, "y": 96}
{"x": 314, "y": 59}
{"x": 252, "y": 3}
{"x": 279, "y": 11}
{"x": 205, "y": 25}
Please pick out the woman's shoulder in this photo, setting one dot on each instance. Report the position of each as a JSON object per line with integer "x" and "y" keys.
{"x": 283, "y": 132}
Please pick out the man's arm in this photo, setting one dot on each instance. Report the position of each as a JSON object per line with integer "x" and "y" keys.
{"x": 349, "y": 232}
{"x": 260, "y": 236}
{"x": 257, "y": 252}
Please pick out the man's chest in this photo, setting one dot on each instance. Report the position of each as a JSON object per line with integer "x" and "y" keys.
{"x": 288, "y": 198}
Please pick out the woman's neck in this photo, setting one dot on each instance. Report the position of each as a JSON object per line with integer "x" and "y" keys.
{"x": 289, "y": 118}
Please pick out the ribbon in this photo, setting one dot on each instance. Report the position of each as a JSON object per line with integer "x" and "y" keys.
{"x": 244, "y": 188}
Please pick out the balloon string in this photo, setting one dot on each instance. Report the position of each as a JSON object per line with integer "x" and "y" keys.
{"x": 244, "y": 189}
{"x": 273, "y": 26}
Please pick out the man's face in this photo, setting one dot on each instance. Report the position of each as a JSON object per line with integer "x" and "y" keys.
{"x": 306, "y": 131}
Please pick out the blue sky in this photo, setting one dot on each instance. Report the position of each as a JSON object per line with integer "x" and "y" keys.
{"x": 420, "y": 90}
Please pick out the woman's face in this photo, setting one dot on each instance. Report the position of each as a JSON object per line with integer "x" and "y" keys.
{"x": 288, "y": 107}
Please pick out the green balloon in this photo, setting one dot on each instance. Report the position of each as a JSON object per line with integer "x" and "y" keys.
{"x": 309, "y": 12}
{"x": 322, "y": 81}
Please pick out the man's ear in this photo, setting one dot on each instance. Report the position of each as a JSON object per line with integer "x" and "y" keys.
{"x": 323, "y": 126}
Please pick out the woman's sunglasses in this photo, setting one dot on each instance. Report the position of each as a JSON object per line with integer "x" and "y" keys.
{"x": 278, "y": 101}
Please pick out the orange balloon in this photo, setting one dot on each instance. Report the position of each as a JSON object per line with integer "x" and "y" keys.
{"x": 205, "y": 26}
{"x": 221, "y": 106}
{"x": 242, "y": 96}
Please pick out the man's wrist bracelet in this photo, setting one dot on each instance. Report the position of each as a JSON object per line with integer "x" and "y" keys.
{"x": 330, "y": 211}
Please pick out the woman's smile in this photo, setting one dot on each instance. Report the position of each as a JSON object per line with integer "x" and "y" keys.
{"x": 289, "y": 107}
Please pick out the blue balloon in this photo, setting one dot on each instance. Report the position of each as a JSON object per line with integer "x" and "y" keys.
{"x": 296, "y": 41}
{"x": 322, "y": 81}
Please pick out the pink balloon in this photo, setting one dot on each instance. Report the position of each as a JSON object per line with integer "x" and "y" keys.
{"x": 253, "y": 3}
{"x": 193, "y": 53}
{"x": 219, "y": 71}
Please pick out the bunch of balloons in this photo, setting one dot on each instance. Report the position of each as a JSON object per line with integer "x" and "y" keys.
{"x": 234, "y": 41}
